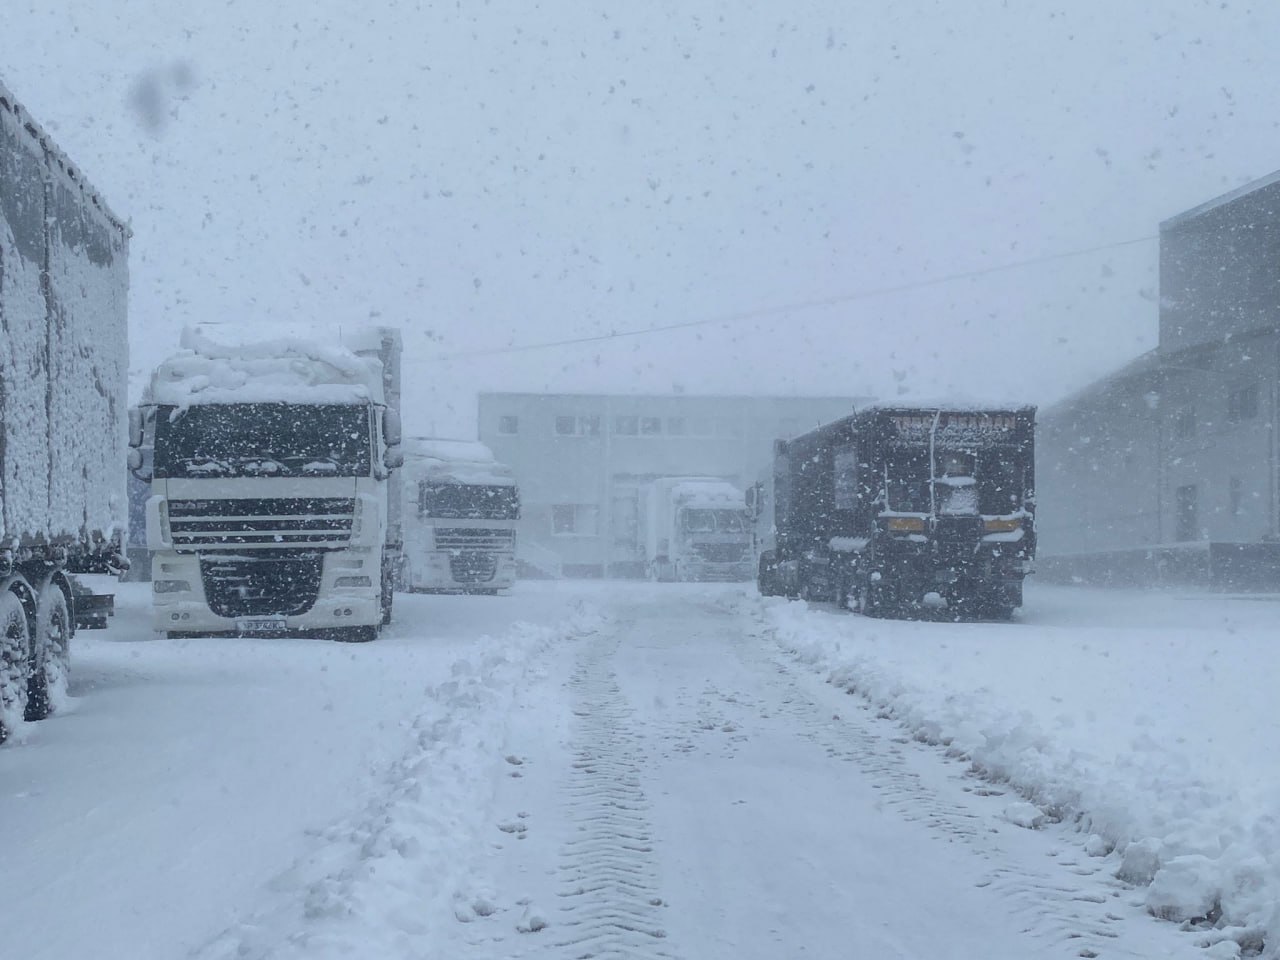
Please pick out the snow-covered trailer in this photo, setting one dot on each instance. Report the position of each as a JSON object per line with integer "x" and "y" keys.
{"x": 696, "y": 528}
{"x": 894, "y": 506}
{"x": 63, "y": 366}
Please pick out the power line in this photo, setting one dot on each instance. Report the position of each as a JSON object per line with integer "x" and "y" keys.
{"x": 867, "y": 294}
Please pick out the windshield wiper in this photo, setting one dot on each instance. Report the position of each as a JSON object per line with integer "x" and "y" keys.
{"x": 260, "y": 466}
{"x": 203, "y": 465}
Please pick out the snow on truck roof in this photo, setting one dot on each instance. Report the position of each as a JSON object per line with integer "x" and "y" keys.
{"x": 709, "y": 493}
{"x": 455, "y": 461}
{"x": 951, "y": 405}
{"x": 275, "y": 371}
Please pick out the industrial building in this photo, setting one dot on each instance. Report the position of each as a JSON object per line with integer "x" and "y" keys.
{"x": 582, "y": 461}
{"x": 1166, "y": 471}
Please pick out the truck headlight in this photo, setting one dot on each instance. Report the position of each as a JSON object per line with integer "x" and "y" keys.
{"x": 170, "y": 586}
{"x": 356, "y": 512}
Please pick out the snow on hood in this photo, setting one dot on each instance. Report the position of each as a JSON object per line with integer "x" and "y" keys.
{"x": 456, "y": 461}
{"x": 275, "y": 371}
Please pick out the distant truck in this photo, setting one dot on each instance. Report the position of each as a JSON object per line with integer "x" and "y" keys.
{"x": 64, "y": 281}
{"x": 696, "y": 528}
{"x": 895, "y": 507}
{"x": 460, "y": 519}
{"x": 273, "y": 507}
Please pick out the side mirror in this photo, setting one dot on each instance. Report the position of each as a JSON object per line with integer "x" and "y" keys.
{"x": 135, "y": 430}
{"x": 391, "y": 434}
{"x": 136, "y": 460}
{"x": 393, "y": 458}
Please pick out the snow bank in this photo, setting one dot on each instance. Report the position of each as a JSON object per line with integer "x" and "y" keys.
{"x": 385, "y": 882}
{"x": 1150, "y": 742}
{"x": 276, "y": 371}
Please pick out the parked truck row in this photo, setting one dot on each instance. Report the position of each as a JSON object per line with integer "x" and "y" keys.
{"x": 278, "y": 495}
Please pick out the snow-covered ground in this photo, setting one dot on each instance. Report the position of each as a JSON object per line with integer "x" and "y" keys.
{"x": 1142, "y": 718}
{"x": 643, "y": 770}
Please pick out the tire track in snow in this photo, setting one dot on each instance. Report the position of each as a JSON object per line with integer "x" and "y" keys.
{"x": 610, "y": 902}
{"x": 1080, "y": 907}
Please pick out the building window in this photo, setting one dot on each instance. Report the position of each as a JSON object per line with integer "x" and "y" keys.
{"x": 1188, "y": 526}
{"x": 577, "y": 426}
{"x": 700, "y": 427}
{"x": 1235, "y": 493}
{"x": 1184, "y": 424}
{"x": 728, "y": 427}
{"x": 575, "y": 520}
{"x": 1242, "y": 403}
{"x": 508, "y": 426}
{"x": 626, "y": 426}
{"x": 650, "y": 426}
{"x": 675, "y": 426}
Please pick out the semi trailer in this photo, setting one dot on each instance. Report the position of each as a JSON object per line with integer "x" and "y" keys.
{"x": 64, "y": 281}
{"x": 895, "y": 509}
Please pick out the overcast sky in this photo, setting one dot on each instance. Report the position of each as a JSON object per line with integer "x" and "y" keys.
{"x": 506, "y": 173}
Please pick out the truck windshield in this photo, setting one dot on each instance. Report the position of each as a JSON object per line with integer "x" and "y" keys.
{"x": 713, "y": 521}
{"x": 465, "y": 501}
{"x": 263, "y": 440}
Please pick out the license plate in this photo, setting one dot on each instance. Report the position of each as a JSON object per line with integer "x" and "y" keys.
{"x": 260, "y": 624}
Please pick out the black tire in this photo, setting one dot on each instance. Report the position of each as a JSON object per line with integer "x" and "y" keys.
{"x": 388, "y": 603}
{"x": 388, "y": 592}
{"x": 877, "y": 600}
{"x": 15, "y": 661}
{"x": 47, "y": 686}
{"x": 767, "y": 576}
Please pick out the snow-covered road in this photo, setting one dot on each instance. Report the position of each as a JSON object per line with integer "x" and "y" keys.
{"x": 634, "y": 770}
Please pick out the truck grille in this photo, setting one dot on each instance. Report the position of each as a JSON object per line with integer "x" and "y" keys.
{"x": 471, "y": 567}
{"x": 475, "y": 539}
{"x": 722, "y": 552}
{"x": 234, "y": 524}
{"x": 269, "y": 583}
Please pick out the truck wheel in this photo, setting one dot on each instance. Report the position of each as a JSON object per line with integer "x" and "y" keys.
{"x": 766, "y": 577}
{"x": 15, "y": 662}
{"x": 388, "y": 600}
{"x": 47, "y": 688}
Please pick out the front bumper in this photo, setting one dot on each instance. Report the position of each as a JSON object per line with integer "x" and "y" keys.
{"x": 456, "y": 570}
{"x": 706, "y": 570}
{"x": 189, "y": 609}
